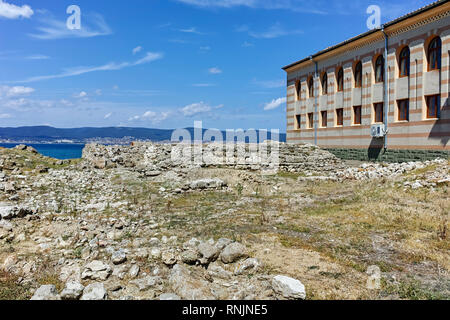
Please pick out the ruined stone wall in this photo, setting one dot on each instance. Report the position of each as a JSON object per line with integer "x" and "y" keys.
{"x": 151, "y": 158}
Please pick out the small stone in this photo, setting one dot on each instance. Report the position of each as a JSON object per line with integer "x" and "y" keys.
{"x": 288, "y": 287}
{"x": 190, "y": 256}
{"x": 146, "y": 283}
{"x": 94, "y": 291}
{"x": 46, "y": 292}
{"x": 168, "y": 258}
{"x": 72, "y": 291}
{"x": 134, "y": 271}
{"x": 374, "y": 280}
{"x": 169, "y": 296}
{"x": 155, "y": 253}
{"x": 96, "y": 270}
{"x": 249, "y": 265}
{"x": 217, "y": 271}
{"x": 118, "y": 257}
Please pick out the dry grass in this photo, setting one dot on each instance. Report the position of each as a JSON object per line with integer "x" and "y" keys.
{"x": 352, "y": 225}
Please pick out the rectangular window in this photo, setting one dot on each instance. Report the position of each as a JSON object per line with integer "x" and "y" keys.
{"x": 310, "y": 120}
{"x": 340, "y": 117}
{"x": 433, "y": 106}
{"x": 357, "y": 115}
{"x": 324, "y": 119}
{"x": 403, "y": 110}
{"x": 379, "y": 112}
{"x": 298, "y": 121}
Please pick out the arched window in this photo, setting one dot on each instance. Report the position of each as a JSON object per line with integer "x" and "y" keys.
{"x": 325, "y": 83}
{"x": 340, "y": 80}
{"x": 358, "y": 75}
{"x": 434, "y": 54}
{"x": 311, "y": 86}
{"x": 404, "y": 62}
{"x": 298, "y": 90}
{"x": 379, "y": 69}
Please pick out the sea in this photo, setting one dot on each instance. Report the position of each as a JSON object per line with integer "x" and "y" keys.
{"x": 56, "y": 151}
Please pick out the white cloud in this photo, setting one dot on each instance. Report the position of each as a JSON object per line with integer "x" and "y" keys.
{"x": 214, "y": 70}
{"x": 152, "y": 116}
{"x": 98, "y": 92}
{"x": 6, "y": 91}
{"x": 274, "y": 104}
{"x": 198, "y": 108}
{"x": 116, "y": 87}
{"x": 191, "y": 30}
{"x": 37, "y": 57}
{"x": 205, "y": 48}
{"x": 82, "y": 94}
{"x": 112, "y": 66}
{"x": 247, "y": 44}
{"x": 107, "y": 116}
{"x": 295, "y": 5}
{"x": 93, "y": 25}
{"x": 11, "y": 11}
{"x": 5, "y": 116}
{"x": 271, "y": 84}
{"x": 203, "y": 85}
{"x": 137, "y": 49}
{"x": 275, "y": 31}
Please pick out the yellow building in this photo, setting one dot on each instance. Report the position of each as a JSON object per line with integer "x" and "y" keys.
{"x": 383, "y": 94}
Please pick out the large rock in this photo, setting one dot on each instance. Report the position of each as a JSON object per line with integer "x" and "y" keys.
{"x": 94, "y": 291}
{"x": 288, "y": 287}
{"x": 187, "y": 286}
{"x": 46, "y": 292}
{"x": 72, "y": 291}
{"x": 96, "y": 270}
{"x": 208, "y": 252}
{"x": 8, "y": 212}
{"x": 233, "y": 252}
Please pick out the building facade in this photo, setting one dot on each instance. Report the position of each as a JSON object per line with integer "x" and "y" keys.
{"x": 396, "y": 76}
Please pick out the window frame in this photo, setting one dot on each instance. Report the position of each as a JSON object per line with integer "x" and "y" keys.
{"x": 325, "y": 84}
{"x": 324, "y": 124}
{"x": 438, "y": 51}
{"x": 400, "y": 105}
{"x": 437, "y": 100}
{"x": 340, "y": 80}
{"x": 358, "y": 84}
{"x": 379, "y": 60}
{"x": 310, "y": 120}
{"x": 357, "y": 123}
{"x": 311, "y": 87}
{"x": 340, "y": 117}
{"x": 298, "y": 89}
{"x": 376, "y": 114}
{"x": 407, "y": 60}
{"x": 298, "y": 123}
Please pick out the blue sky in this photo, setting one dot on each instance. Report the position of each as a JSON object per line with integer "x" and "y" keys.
{"x": 165, "y": 63}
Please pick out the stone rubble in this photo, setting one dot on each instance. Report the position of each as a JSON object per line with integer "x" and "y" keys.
{"x": 98, "y": 241}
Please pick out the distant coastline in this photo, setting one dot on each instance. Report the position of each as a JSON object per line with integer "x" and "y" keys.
{"x": 107, "y": 135}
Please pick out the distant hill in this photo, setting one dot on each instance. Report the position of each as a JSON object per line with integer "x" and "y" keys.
{"x": 50, "y": 134}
